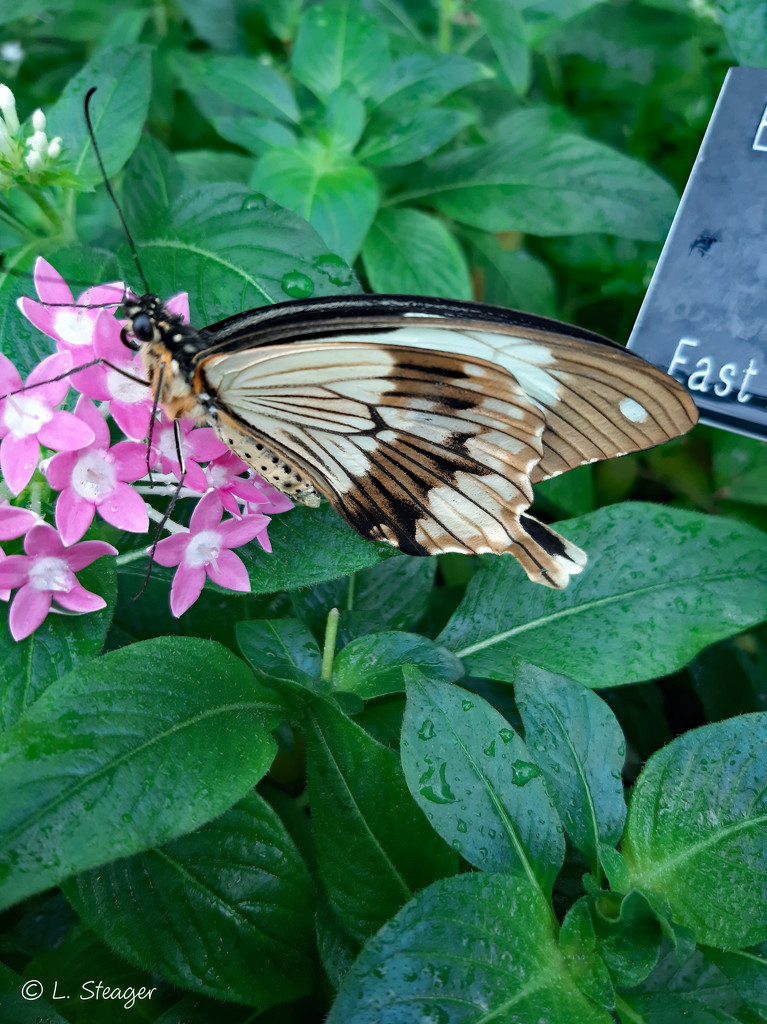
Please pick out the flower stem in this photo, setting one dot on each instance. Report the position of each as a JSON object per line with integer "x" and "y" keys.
{"x": 53, "y": 218}
{"x": 329, "y": 646}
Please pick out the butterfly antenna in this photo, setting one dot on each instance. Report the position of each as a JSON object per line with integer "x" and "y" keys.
{"x": 109, "y": 188}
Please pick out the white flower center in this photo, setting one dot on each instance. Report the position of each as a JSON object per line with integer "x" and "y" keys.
{"x": 25, "y": 415}
{"x": 94, "y": 477}
{"x": 73, "y": 326}
{"x": 123, "y": 389}
{"x": 203, "y": 549}
{"x": 218, "y": 476}
{"x": 52, "y": 574}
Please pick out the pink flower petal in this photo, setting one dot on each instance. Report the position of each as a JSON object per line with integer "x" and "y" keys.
{"x": 207, "y": 514}
{"x": 42, "y": 539}
{"x": 46, "y": 389}
{"x": 15, "y": 522}
{"x": 86, "y": 411}
{"x": 263, "y": 540}
{"x": 59, "y": 469}
{"x": 179, "y": 306}
{"x": 79, "y": 600}
{"x": 92, "y": 382}
{"x": 230, "y": 572}
{"x": 110, "y": 294}
{"x": 133, "y": 420}
{"x": 10, "y": 378}
{"x": 65, "y": 432}
{"x": 14, "y": 571}
{"x": 129, "y": 460}
{"x": 87, "y": 551}
{"x": 171, "y": 550}
{"x": 241, "y": 531}
{"x": 203, "y": 445}
{"x": 194, "y": 478}
{"x": 18, "y": 460}
{"x": 73, "y": 516}
{"x": 125, "y": 509}
{"x": 28, "y": 610}
{"x": 50, "y": 285}
{"x": 186, "y": 588}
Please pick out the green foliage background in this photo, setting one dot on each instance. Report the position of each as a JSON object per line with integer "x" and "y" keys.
{"x": 485, "y": 839}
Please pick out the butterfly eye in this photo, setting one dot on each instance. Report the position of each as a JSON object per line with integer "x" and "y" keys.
{"x": 142, "y": 327}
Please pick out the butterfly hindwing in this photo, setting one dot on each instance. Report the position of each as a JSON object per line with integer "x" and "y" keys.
{"x": 427, "y": 451}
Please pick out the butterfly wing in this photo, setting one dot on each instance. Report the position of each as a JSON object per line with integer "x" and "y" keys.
{"x": 428, "y": 451}
{"x": 598, "y": 399}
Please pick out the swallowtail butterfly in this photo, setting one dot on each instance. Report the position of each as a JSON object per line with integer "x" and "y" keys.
{"x": 423, "y": 421}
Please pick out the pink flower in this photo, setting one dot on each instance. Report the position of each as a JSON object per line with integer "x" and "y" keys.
{"x": 205, "y": 550}
{"x": 29, "y": 419}
{"x": 95, "y": 479}
{"x": 60, "y": 317}
{"x": 197, "y": 445}
{"x": 47, "y": 573}
{"x": 223, "y": 476}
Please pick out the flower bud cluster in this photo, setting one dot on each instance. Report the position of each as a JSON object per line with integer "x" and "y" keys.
{"x": 23, "y": 158}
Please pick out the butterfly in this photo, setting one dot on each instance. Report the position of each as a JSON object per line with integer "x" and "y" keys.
{"x": 424, "y": 422}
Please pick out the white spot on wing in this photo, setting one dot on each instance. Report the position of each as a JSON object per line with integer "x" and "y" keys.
{"x": 633, "y": 410}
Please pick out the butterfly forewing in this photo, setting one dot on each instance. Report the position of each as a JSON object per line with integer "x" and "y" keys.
{"x": 427, "y": 451}
{"x": 598, "y": 399}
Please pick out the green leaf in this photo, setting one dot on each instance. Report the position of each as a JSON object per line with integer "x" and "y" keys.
{"x": 297, "y": 560}
{"x": 333, "y": 192}
{"x": 60, "y": 644}
{"x": 505, "y": 29}
{"x": 183, "y": 713}
{"x": 241, "y": 82}
{"x": 740, "y": 467}
{"x": 540, "y": 181}
{"x": 374, "y": 846}
{"x": 280, "y": 649}
{"x": 337, "y": 42}
{"x": 571, "y": 493}
{"x": 629, "y": 935}
{"x": 746, "y": 970}
{"x": 210, "y": 166}
{"x": 413, "y": 253}
{"x": 745, "y": 25}
{"x": 692, "y": 991}
{"x": 475, "y": 780}
{"x": 344, "y": 118}
{"x": 510, "y": 967}
{"x": 215, "y": 21}
{"x": 419, "y": 81}
{"x": 374, "y": 665}
{"x": 151, "y": 181}
{"x": 577, "y": 742}
{"x": 257, "y": 134}
{"x": 17, "y": 1008}
{"x": 120, "y": 74}
{"x": 225, "y": 911}
{"x": 697, "y": 824}
{"x": 247, "y": 250}
{"x": 392, "y": 142}
{"x": 673, "y": 581}
{"x": 579, "y": 946}
{"x": 513, "y": 278}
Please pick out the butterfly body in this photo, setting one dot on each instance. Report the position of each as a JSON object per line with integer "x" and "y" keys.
{"x": 424, "y": 422}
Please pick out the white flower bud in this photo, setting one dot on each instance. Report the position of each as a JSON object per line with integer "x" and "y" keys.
{"x": 54, "y": 148}
{"x": 12, "y": 53}
{"x": 38, "y": 142}
{"x": 8, "y": 109}
{"x": 38, "y": 120}
{"x": 6, "y": 145}
{"x": 33, "y": 161}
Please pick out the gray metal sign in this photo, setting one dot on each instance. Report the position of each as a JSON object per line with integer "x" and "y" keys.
{"x": 704, "y": 317}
